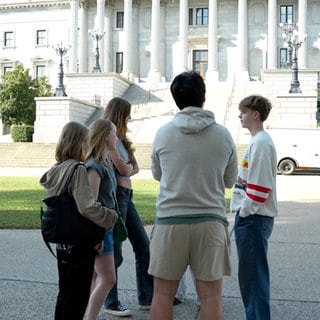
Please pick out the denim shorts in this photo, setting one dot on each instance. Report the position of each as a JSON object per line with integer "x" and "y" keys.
{"x": 107, "y": 243}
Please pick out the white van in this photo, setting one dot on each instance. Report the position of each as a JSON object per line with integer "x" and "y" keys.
{"x": 297, "y": 149}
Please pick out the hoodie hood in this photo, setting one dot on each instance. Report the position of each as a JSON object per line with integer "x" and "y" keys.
{"x": 56, "y": 176}
{"x": 193, "y": 120}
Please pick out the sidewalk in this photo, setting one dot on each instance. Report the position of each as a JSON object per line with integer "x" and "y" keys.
{"x": 28, "y": 275}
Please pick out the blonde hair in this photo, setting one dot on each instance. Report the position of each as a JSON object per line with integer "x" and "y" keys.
{"x": 118, "y": 110}
{"x": 257, "y": 103}
{"x": 99, "y": 131}
{"x": 69, "y": 145}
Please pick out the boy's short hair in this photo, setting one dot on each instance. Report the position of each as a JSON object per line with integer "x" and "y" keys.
{"x": 257, "y": 103}
{"x": 188, "y": 90}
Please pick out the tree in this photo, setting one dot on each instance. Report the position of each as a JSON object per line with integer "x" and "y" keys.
{"x": 17, "y": 93}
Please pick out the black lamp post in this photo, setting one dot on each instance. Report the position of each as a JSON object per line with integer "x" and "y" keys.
{"x": 97, "y": 37}
{"x": 294, "y": 41}
{"x": 61, "y": 51}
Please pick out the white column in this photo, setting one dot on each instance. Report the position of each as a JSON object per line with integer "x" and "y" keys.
{"x": 108, "y": 39}
{"x": 272, "y": 34}
{"x": 74, "y": 4}
{"x": 127, "y": 54}
{"x": 302, "y": 17}
{"x": 183, "y": 35}
{"x": 83, "y": 40}
{"x": 243, "y": 40}
{"x": 212, "y": 72}
{"x": 100, "y": 27}
{"x": 154, "y": 73}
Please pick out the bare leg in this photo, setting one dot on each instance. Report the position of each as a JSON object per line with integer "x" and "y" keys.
{"x": 163, "y": 295}
{"x": 210, "y": 299}
{"x": 106, "y": 277}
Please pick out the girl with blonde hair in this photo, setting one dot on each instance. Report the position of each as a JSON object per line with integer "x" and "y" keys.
{"x": 102, "y": 139}
{"x": 75, "y": 262}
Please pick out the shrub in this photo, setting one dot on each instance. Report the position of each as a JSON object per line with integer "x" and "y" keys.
{"x": 22, "y": 133}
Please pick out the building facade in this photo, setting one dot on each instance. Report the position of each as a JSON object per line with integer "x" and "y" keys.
{"x": 156, "y": 39}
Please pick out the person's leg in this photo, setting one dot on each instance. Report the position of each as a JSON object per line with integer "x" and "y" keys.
{"x": 252, "y": 234}
{"x": 210, "y": 299}
{"x": 140, "y": 244}
{"x": 163, "y": 295}
{"x": 75, "y": 266}
{"x": 106, "y": 277}
{"x": 123, "y": 196}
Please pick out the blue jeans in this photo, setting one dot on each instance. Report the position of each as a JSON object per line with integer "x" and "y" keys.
{"x": 140, "y": 243}
{"x": 252, "y": 234}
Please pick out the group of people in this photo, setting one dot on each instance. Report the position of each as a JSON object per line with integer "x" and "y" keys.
{"x": 195, "y": 160}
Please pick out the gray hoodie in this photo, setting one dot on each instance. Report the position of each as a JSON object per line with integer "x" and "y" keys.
{"x": 195, "y": 159}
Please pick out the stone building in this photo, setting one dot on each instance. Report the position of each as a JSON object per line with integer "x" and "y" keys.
{"x": 156, "y": 39}
{"x": 117, "y": 44}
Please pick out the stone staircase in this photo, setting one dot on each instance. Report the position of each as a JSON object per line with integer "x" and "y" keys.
{"x": 40, "y": 155}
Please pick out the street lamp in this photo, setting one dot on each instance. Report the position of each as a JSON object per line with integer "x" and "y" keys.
{"x": 61, "y": 51}
{"x": 97, "y": 36}
{"x": 286, "y": 36}
{"x": 294, "y": 41}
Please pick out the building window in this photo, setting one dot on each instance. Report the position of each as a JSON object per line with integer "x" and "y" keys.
{"x": 199, "y": 15}
{"x": 190, "y": 17}
{"x": 8, "y": 39}
{"x": 200, "y": 62}
{"x": 119, "y": 19}
{"x": 7, "y": 69}
{"x": 41, "y": 38}
{"x": 283, "y": 57}
{"x": 286, "y": 14}
{"x": 202, "y": 16}
{"x": 119, "y": 62}
{"x": 40, "y": 71}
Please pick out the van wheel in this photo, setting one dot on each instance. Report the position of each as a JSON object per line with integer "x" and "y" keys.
{"x": 287, "y": 167}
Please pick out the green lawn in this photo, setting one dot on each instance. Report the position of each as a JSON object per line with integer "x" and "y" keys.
{"x": 20, "y": 200}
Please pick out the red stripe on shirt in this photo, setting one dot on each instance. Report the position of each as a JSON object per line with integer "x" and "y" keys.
{"x": 258, "y": 188}
{"x": 256, "y": 198}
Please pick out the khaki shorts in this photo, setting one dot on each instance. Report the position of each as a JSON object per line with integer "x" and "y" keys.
{"x": 204, "y": 246}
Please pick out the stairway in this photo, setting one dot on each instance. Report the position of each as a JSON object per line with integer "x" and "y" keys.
{"x": 41, "y": 155}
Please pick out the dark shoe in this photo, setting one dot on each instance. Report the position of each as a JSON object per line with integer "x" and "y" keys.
{"x": 176, "y": 301}
{"x": 119, "y": 311}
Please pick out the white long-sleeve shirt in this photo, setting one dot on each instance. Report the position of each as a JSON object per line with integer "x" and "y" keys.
{"x": 255, "y": 190}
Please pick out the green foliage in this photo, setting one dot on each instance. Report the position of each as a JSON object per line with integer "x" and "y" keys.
{"x": 22, "y": 133}
{"x": 17, "y": 93}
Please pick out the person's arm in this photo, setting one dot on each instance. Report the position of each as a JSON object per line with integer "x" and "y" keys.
{"x": 94, "y": 181}
{"x": 122, "y": 167}
{"x": 231, "y": 171}
{"x": 135, "y": 166}
{"x": 86, "y": 202}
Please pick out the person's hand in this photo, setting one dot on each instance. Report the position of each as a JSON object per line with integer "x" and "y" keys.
{"x": 99, "y": 247}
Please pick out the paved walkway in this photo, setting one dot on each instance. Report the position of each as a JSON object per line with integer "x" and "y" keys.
{"x": 28, "y": 276}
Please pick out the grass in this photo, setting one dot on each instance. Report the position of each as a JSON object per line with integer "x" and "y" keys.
{"x": 20, "y": 199}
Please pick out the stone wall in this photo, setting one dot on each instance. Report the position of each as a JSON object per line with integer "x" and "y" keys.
{"x": 96, "y": 88}
{"x": 53, "y": 113}
{"x": 278, "y": 81}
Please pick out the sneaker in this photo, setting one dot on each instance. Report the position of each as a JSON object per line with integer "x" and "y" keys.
{"x": 119, "y": 311}
{"x": 145, "y": 307}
